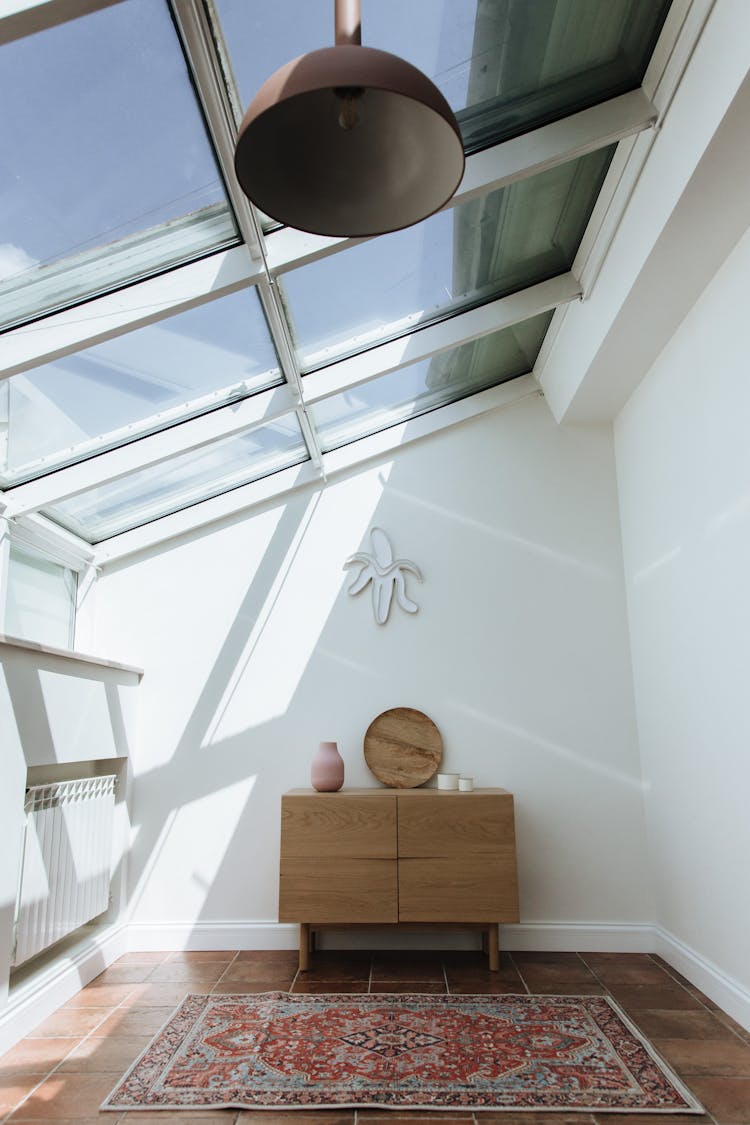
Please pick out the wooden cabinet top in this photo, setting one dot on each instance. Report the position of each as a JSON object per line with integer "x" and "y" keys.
{"x": 420, "y": 793}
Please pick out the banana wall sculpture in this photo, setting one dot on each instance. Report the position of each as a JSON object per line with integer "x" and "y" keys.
{"x": 386, "y": 575}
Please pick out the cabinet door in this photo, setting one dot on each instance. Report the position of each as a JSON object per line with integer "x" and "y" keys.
{"x": 338, "y": 890}
{"x": 329, "y": 825}
{"x": 459, "y": 888}
{"x": 457, "y": 857}
{"x": 454, "y": 824}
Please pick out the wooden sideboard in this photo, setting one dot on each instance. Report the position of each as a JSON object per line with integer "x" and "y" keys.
{"x": 407, "y": 858}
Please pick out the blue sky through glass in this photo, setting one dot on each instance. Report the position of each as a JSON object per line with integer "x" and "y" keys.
{"x": 423, "y": 386}
{"x": 107, "y": 175}
{"x": 434, "y": 35}
{"x": 513, "y": 237}
{"x": 100, "y": 135}
{"x": 136, "y": 379}
{"x": 182, "y": 480}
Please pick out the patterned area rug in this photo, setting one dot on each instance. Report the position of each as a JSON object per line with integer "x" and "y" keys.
{"x": 281, "y": 1051}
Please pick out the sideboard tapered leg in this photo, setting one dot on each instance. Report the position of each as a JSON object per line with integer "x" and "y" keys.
{"x": 494, "y": 949}
{"x": 304, "y": 946}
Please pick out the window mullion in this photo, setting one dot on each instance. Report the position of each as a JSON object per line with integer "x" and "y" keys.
{"x": 199, "y": 42}
{"x": 282, "y": 338}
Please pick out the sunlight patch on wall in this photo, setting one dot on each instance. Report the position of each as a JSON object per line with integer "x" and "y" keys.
{"x": 504, "y": 536}
{"x": 551, "y": 748}
{"x": 734, "y": 513}
{"x": 647, "y": 572}
{"x": 194, "y": 841}
{"x": 310, "y": 578}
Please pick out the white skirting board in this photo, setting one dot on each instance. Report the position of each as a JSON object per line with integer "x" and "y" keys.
{"x": 582, "y": 937}
{"x": 154, "y": 936}
{"x": 52, "y": 986}
{"x": 47, "y": 990}
{"x": 624, "y": 937}
{"x": 728, "y": 993}
{"x": 557, "y": 937}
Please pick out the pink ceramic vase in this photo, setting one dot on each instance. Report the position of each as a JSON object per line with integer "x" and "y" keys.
{"x": 327, "y": 768}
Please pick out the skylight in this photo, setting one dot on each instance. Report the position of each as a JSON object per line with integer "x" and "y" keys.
{"x": 424, "y": 386}
{"x": 134, "y": 384}
{"x": 463, "y": 256}
{"x": 109, "y": 172}
{"x": 117, "y": 161}
{"x": 503, "y": 68}
{"x": 180, "y": 481}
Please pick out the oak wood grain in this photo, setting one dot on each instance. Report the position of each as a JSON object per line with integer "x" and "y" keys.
{"x": 400, "y": 857}
{"x": 458, "y": 824}
{"x": 458, "y": 889}
{"x": 403, "y": 747}
{"x": 333, "y": 824}
{"x": 338, "y": 890}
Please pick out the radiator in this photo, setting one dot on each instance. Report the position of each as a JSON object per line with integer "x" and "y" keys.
{"x": 65, "y": 861}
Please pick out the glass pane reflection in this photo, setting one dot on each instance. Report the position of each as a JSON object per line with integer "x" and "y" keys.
{"x": 134, "y": 384}
{"x": 106, "y": 170}
{"x": 424, "y": 386}
{"x": 182, "y": 480}
{"x": 461, "y": 257}
{"x": 503, "y": 67}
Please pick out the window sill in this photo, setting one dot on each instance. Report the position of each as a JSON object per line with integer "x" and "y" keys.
{"x": 68, "y": 654}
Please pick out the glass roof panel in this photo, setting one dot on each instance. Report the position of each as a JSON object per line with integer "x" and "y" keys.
{"x": 106, "y": 170}
{"x": 504, "y": 66}
{"x": 461, "y": 257}
{"x": 431, "y": 383}
{"x": 180, "y": 481}
{"x": 134, "y": 384}
{"x": 108, "y": 176}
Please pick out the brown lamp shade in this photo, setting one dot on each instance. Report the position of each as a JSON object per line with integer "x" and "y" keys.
{"x": 349, "y": 141}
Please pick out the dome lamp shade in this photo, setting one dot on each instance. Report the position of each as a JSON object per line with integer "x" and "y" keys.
{"x": 349, "y": 141}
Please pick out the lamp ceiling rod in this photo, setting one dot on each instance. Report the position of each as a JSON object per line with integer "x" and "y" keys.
{"x": 348, "y": 23}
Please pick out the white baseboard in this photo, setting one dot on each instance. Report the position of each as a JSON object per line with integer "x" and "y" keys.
{"x": 624, "y": 937}
{"x": 47, "y": 989}
{"x": 583, "y": 937}
{"x": 557, "y": 937}
{"x": 728, "y": 993}
{"x": 160, "y": 936}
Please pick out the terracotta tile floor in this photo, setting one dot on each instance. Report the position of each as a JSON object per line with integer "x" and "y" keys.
{"x": 65, "y": 1068}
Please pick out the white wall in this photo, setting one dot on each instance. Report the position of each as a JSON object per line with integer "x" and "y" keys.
{"x": 683, "y": 468}
{"x": 254, "y": 652}
{"x": 57, "y": 712}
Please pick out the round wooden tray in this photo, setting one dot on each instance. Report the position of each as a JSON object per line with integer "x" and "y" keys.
{"x": 403, "y": 748}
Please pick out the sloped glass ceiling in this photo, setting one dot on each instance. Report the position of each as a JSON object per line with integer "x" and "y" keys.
{"x": 110, "y": 175}
{"x": 503, "y": 66}
{"x": 424, "y": 386}
{"x": 183, "y": 480}
{"x": 457, "y": 259}
{"x": 135, "y": 384}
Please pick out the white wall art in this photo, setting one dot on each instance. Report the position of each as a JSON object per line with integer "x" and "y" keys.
{"x": 386, "y": 574}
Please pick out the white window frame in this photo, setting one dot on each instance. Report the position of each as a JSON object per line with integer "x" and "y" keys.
{"x": 630, "y": 119}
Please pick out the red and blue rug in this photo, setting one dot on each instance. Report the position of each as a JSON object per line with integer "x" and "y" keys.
{"x": 280, "y": 1051}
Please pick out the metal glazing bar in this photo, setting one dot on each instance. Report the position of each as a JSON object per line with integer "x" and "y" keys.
{"x": 282, "y": 338}
{"x": 199, "y": 41}
{"x": 248, "y": 413}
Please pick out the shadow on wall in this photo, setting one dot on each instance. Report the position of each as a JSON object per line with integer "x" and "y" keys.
{"x": 519, "y": 652}
{"x": 60, "y": 718}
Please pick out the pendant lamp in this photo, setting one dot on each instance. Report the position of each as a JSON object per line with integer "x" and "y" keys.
{"x": 348, "y": 140}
